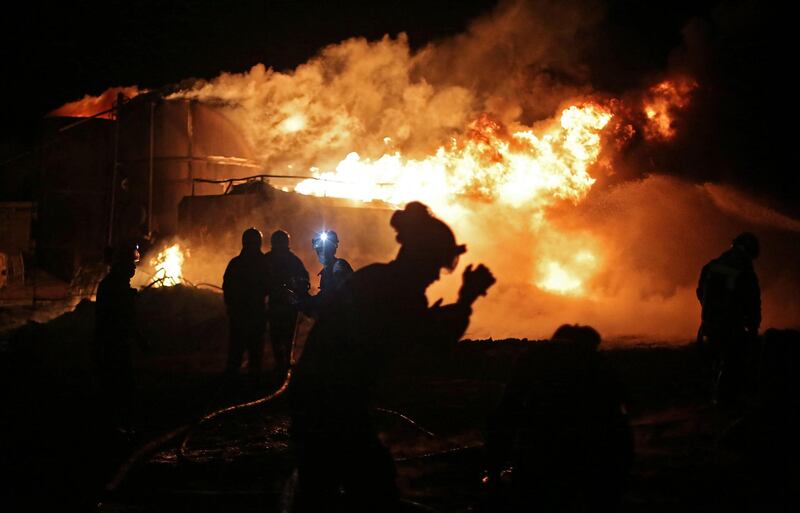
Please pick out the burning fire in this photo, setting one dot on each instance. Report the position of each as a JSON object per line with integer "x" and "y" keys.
{"x": 505, "y": 188}
{"x": 293, "y": 123}
{"x": 488, "y": 164}
{"x": 90, "y": 106}
{"x": 663, "y": 100}
{"x": 168, "y": 265}
{"x": 528, "y": 169}
{"x": 564, "y": 270}
{"x": 302, "y": 118}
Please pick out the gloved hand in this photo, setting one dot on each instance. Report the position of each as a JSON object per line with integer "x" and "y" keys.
{"x": 475, "y": 282}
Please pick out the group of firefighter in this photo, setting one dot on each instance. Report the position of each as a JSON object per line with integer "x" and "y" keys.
{"x": 364, "y": 320}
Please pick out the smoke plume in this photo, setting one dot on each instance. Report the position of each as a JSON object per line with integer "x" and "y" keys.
{"x": 627, "y": 254}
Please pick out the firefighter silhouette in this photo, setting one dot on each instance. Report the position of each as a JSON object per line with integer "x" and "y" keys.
{"x": 560, "y": 430}
{"x": 730, "y": 296}
{"x": 334, "y": 272}
{"x": 115, "y": 332}
{"x": 288, "y": 278}
{"x": 380, "y": 312}
{"x": 244, "y": 286}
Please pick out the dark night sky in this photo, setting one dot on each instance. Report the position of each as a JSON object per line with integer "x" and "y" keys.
{"x": 54, "y": 54}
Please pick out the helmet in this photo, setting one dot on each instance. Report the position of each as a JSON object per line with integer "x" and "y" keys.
{"x": 124, "y": 260}
{"x": 747, "y": 242}
{"x": 424, "y": 236}
{"x": 577, "y": 333}
{"x": 251, "y": 238}
{"x": 322, "y": 238}
{"x": 279, "y": 238}
{"x": 126, "y": 254}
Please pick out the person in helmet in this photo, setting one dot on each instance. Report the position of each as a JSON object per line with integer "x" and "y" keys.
{"x": 730, "y": 297}
{"x": 116, "y": 330}
{"x": 244, "y": 287}
{"x": 287, "y": 279}
{"x": 377, "y": 315}
{"x": 334, "y": 271}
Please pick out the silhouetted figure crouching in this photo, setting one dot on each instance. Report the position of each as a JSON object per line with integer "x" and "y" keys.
{"x": 561, "y": 429}
{"x": 377, "y": 314}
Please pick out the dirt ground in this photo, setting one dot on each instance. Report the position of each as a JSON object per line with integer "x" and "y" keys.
{"x": 689, "y": 455}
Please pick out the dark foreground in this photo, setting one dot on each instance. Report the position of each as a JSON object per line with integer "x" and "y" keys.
{"x": 689, "y": 456}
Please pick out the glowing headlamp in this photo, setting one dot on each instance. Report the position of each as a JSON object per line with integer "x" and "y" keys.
{"x": 325, "y": 238}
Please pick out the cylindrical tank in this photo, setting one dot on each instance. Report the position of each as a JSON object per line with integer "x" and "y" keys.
{"x": 158, "y": 145}
{"x": 163, "y": 146}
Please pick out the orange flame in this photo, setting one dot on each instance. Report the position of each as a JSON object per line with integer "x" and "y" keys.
{"x": 168, "y": 265}
{"x": 488, "y": 164}
{"x": 529, "y": 169}
{"x": 90, "y": 106}
{"x": 662, "y": 101}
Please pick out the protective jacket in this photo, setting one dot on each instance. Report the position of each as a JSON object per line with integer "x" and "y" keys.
{"x": 245, "y": 283}
{"x": 729, "y": 292}
{"x": 375, "y": 317}
{"x": 331, "y": 279}
{"x": 286, "y": 273}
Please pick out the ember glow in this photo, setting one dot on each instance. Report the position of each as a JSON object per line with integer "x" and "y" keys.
{"x": 168, "y": 265}
{"x": 663, "y": 100}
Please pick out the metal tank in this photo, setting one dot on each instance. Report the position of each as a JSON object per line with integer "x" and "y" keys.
{"x": 163, "y": 146}
{"x": 119, "y": 176}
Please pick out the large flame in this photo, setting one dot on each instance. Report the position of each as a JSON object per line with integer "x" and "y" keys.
{"x": 168, "y": 265}
{"x": 524, "y": 167}
{"x": 528, "y": 169}
{"x": 507, "y": 188}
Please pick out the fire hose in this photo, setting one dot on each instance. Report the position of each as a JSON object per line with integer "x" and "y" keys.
{"x": 183, "y": 453}
{"x": 188, "y": 430}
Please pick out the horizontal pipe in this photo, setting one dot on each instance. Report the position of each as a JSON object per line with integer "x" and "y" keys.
{"x": 291, "y": 177}
{"x": 184, "y": 158}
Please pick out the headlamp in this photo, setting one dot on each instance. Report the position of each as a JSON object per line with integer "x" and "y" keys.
{"x": 325, "y": 238}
